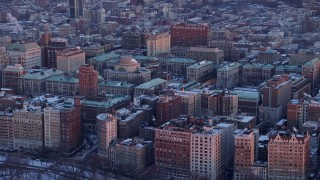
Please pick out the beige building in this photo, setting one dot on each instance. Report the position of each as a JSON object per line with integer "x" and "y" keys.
{"x": 206, "y": 153}
{"x": 52, "y": 134}
{"x": 228, "y": 76}
{"x": 70, "y": 60}
{"x": 106, "y": 132}
{"x": 12, "y": 78}
{"x": 191, "y": 103}
{"x": 200, "y": 71}
{"x": 28, "y": 55}
{"x": 34, "y": 82}
{"x": 28, "y": 129}
{"x": 289, "y": 156}
{"x": 243, "y": 154}
{"x": 215, "y": 55}
{"x": 62, "y": 85}
{"x": 158, "y": 43}
{"x": 116, "y": 87}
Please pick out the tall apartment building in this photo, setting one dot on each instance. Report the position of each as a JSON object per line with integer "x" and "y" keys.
{"x": 276, "y": 96}
{"x": 28, "y": 55}
{"x": 168, "y": 107}
{"x": 243, "y": 154}
{"x": 228, "y": 76}
{"x": 95, "y": 15}
{"x": 132, "y": 155}
{"x": 158, "y": 43}
{"x": 28, "y": 131}
{"x": 106, "y": 132}
{"x": 129, "y": 122}
{"x": 12, "y": 78}
{"x": 172, "y": 148}
{"x": 249, "y": 100}
{"x": 222, "y": 104}
{"x": 70, "y": 60}
{"x": 200, "y": 72}
{"x": 215, "y": 55}
{"x": 71, "y": 129}
{"x": 88, "y": 82}
{"x": 6, "y": 130}
{"x": 188, "y": 35}
{"x": 289, "y": 156}
{"x": 50, "y": 51}
{"x": 76, "y": 8}
{"x": 190, "y": 103}
{"x": 131, "y": 40}
{"x": 311, "y": 70}
{"x": 206, "y": 153}
{"x": 52, "y": 134}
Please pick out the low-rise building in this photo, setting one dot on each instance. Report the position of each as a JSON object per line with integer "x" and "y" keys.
{"x": 116, "y": 87}
{"x": 62, "y": 85}
{"x": 200, "y": 72}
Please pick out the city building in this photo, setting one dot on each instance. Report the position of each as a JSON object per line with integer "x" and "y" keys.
{"x": 132, "y": 155}
{"x": 200, "y": 72}
{"x": 6, "y": 130}
{"x": 51, "y": 50}
{"x": 90, "y": 109}
{"x": 172, "y": 148}
{"x": 106, "y": 132}
{"x": 206, "y": 153}
{"x": 95, "y": 15}
{"x": 256, "y": 73}
{"x": 276, "y": 96}
{"x": 116, "y": 87}
{"x": 88, "y": 82}
{"x": 52, "y": 134}
{"x": 34, "y": 82}
{"x": 28, "y": 54}
{"x": 311, "y": 70}
{"x": 222, "y": 104}
{"x": 12, "y": 78}
{"x": 178, "y": 66}
{"x": 76, "y": 8}
{"x": 28, "y": 128}
{"x": 268, "y": 56}
{"x": 288, "y": 156}
{"x": 168, "y": 107}
{"x": 300, "y": 86}
{"x": 249, "y": 100}
{"x": 158, "y": 43}
{"x": 62, "y": 85}
{"x": 244, "y": 152}
{"x": 70, "y": 60}
{"x": 131, "y": 40}
{"x": 190, "y": 103}
{"x": 189, "y": 35}
{"x": 151, "y": 87}
{"x": 228, "y": 76}
{"x": 259, "y": 170}
{"x": 215, "y": 55}
{"x": 127, "y": 69}
{"x": 129, "y": 122}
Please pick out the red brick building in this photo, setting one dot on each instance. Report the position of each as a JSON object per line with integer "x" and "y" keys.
{"x": 168, "y": 107}
{"x": 172, "y": 147}
{"x": 88, "y": 82}
{"x": 189, "y": 35}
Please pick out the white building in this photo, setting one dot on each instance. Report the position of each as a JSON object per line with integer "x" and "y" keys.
{"x": 206, "y": 153}
{"x": 106, "y": 132}
{"x": 28, "y": 55}
{"x": 158, "y": 43}
{"x": 52, "y": 135}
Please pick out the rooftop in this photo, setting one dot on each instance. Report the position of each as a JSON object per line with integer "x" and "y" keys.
{"x": 39, "y": 74}
{"x": 181, "y": 60}
{"x": 200, "y": 64}
{"x": 116, "y": 84}
{"x": 151, "y": 84}
{"x": 63, "y": 79}
{"x": 23, "y": 47}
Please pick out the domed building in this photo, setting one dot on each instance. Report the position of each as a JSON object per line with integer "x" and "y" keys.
{"x": 127, "y": 69}
{"x": 127, "y": 64}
